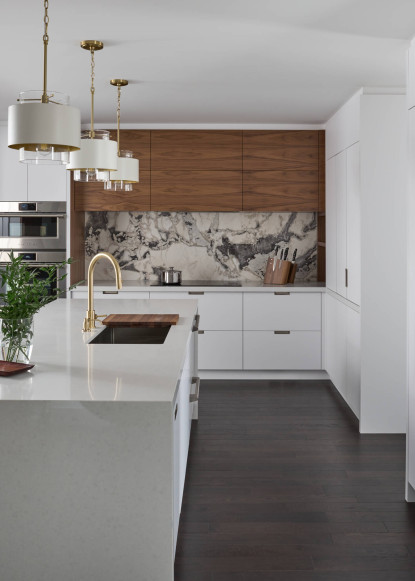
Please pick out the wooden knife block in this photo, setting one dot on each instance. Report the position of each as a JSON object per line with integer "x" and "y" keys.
{"x": 279, "y": 271}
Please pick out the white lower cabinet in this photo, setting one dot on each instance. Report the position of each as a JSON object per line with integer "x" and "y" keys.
{"x": 282, "y": 311}
{"x": 282, "y": 350}
{"x": 82, "y": 294}
{"x": 342, "y": 339}
{"x": 218, "y": 311}
{"x": 182, "y": 423}
{"x": 220, "y": 350}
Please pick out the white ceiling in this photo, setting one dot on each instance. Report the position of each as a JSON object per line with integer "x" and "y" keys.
{"x": 209, "y": 61}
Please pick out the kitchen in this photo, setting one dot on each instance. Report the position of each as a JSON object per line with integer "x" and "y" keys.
{"x": 296, "y": 462}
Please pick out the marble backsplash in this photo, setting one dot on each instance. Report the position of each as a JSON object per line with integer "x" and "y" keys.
{"x": 203, "y": 245}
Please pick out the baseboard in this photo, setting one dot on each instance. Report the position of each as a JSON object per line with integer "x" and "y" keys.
{"x": 284, "y": 374}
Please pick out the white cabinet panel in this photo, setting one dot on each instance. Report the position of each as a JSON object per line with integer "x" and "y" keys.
{"x": 220, "y": 350}
{"x": 343, "y": 129}
{"x": 277, "y": 311}
{"x": 218, "y": 311}
{"x": 81, "y": 294}
{"x": 331, "y": 225}
{"x": 341, "y": 218}
{"x": 296, "y": 350}
{"x": 47, "y": 183}
{"x": 353, "y": 223}
{"x": 336, "y": 343}
{"x": 353, "y": 360}
{"x": 176, "y": 470}
{"x": 411, "y": 75}
{"x": 13, "y": 174}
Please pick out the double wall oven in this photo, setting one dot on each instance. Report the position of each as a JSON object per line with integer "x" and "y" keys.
{"x": 37, "y": 232}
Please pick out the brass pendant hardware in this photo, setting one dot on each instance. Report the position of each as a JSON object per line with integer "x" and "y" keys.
{"x": 92, "y": 44}
{"x": 118, "y": 82}
{"x": 45, "y": 98}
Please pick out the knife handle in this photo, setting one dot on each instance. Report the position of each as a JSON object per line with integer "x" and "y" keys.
{"x": 294, "y": 255}
{"x": 286, "y": 253}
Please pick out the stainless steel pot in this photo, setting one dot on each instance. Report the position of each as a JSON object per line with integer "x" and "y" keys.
{"x": 170, "y": 276}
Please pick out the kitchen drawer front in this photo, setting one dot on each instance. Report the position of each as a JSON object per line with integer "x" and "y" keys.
{"x": 218, "y": 311}
{"x": 220, "y": 350}
{"x": 111, "y": 295}
{"x": 294, "y": 350}
{"x": 282, "y": 310}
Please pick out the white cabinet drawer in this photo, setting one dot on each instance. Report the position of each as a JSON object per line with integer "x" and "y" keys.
{"x": 111, "y": 295}
{"x": 282, "y": 311}
{"x": 218, "y": 311}
{"x": 220, "y": 350}
{"x": 295, "y": 350}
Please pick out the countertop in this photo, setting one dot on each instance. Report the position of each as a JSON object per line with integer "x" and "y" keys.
{"x": 67, "y": 368}
{"x": 205, "y": 286}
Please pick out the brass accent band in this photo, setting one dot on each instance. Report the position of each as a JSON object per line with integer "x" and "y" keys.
{"x": 92, "y": 44}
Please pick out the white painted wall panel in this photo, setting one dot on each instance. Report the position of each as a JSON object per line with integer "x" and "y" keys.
{"x": 341, "y": 217}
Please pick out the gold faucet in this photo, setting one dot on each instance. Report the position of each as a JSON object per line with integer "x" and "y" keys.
{"x": 91, "y": 316}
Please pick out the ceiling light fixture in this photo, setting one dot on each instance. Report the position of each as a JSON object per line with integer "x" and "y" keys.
{"x": 127, "y": 170}
{"x": 43, "y": 127}
{"x": 98, "y": 154}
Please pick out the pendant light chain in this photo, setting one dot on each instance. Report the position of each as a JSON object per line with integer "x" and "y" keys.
{"x": 118, "y": 118}
{"x": 45, "y": 98}
{"x": 92, "y": 91}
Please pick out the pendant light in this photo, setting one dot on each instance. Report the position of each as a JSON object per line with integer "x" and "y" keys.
{"x": 43, "y": 127}
{"x": 127, "y": 169}
{"x": 98, "y": 154}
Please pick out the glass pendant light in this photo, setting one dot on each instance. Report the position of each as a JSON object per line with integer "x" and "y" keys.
{"x": 98, "y": 154}
{"x": 43, "y": 127}
{"x": 127, "y": 168}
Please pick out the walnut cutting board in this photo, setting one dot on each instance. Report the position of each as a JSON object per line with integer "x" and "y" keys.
{"x": 140, "y": 320}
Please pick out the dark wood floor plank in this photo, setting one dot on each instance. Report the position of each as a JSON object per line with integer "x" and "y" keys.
{"x": 282, "y": 487}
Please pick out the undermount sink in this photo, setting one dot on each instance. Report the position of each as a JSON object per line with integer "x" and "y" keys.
{"x": 131, "y": 335}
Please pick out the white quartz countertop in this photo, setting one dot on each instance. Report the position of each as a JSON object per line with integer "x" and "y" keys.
{"x": 67, "y": 368}
{"x": 206, "y": 286}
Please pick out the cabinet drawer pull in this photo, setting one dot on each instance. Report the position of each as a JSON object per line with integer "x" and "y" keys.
{"x": 282, "y": 293}
{"x": 196, "y": 323}
{"x": 201, "y": 332}
{"x": 195, "y": 293}
{"x": 175, "y": 411}
{"x": 194, "y": 397}
{"x": 282, "y": 332}
{"x": 109, "y": 292}
{"x": 346, "y": 277}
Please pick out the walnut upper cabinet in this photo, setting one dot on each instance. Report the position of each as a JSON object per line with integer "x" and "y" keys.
{"x": 281, "y": 171}
{"x": 92, "y": 196}
{"x": 196, "y": 171}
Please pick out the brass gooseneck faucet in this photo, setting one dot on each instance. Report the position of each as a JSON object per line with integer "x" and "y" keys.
{"x": 91, "y": 316}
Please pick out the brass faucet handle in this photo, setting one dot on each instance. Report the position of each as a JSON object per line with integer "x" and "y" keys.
{"x": 98, "y": 317}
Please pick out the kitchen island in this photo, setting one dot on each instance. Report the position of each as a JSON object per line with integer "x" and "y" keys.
{"x": 94, "y": 449}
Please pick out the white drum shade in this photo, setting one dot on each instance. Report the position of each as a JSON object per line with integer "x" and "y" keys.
{"x": 127, "y": 171}
{"x": 100, "y": 154}
{"x": 34, "y": 124}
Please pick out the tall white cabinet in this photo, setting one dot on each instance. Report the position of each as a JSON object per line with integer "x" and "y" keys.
{"x": 366, "y": 238}
{"x": 410, "y": 447}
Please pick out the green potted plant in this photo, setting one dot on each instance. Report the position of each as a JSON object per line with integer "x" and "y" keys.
{"x": 25, "y": 294}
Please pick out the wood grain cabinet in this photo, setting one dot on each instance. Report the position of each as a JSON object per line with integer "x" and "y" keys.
{"x": 196, "y": 171}
{"x": 281, "y": 171}
{"x": 92, "y": 197}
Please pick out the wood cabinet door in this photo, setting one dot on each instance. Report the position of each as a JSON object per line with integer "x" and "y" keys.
{"x": 196, "y": 150}
{"x": 281, "y": 171}
{"x": 93, "y": 198}
{"x": 196, "y": 191}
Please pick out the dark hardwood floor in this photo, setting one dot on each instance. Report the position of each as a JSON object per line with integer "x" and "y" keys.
{"x": 280, "y": 486}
